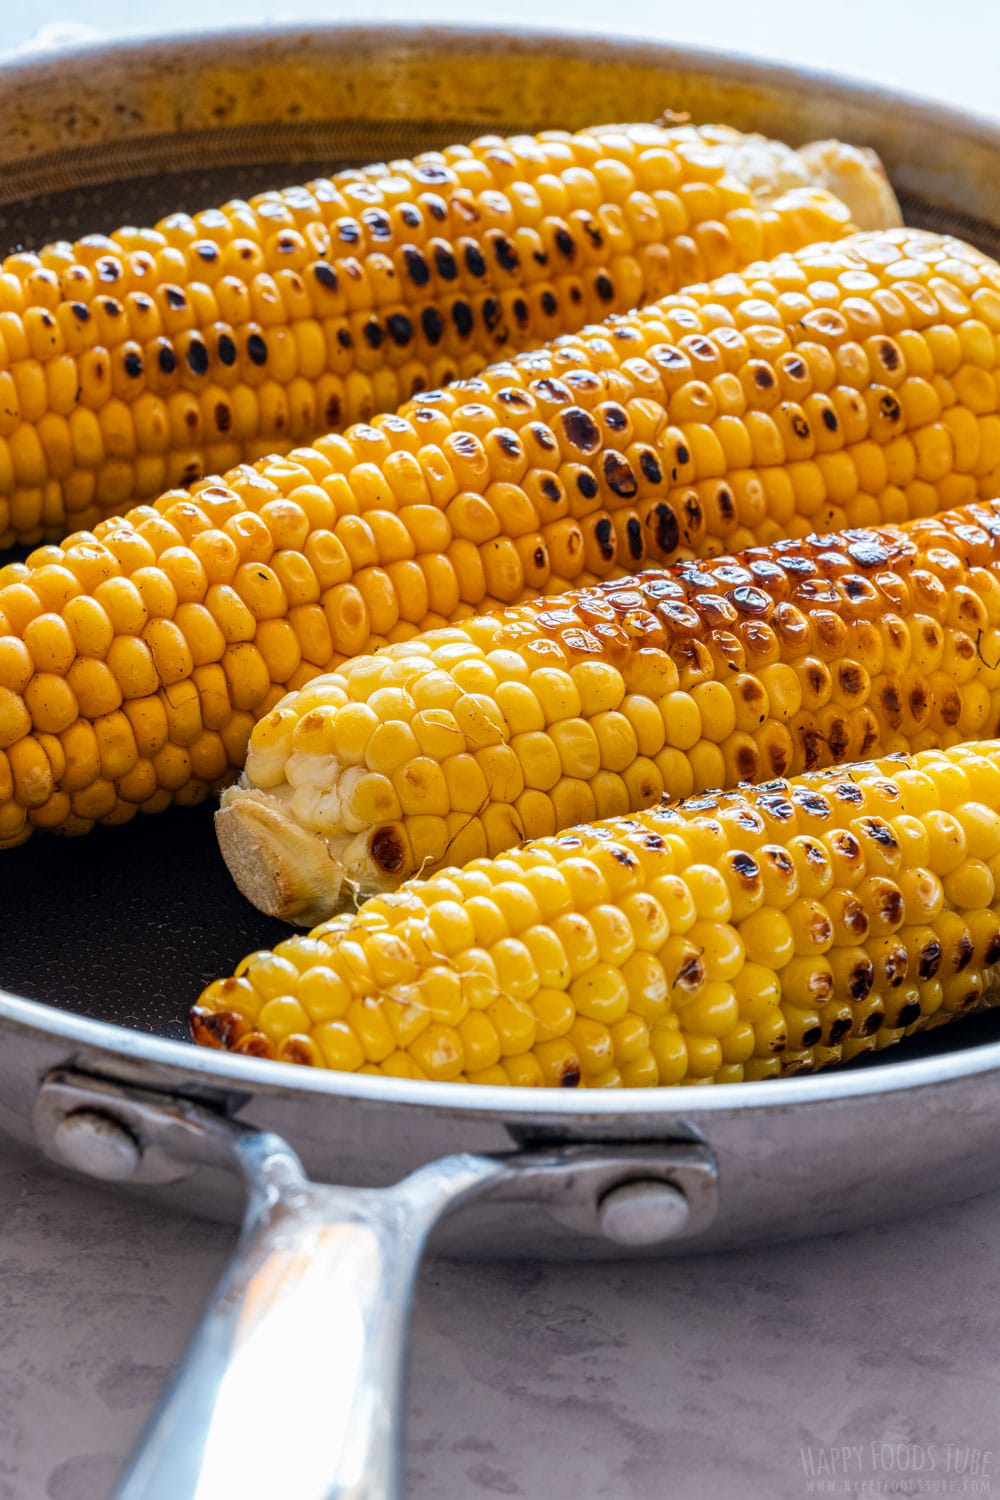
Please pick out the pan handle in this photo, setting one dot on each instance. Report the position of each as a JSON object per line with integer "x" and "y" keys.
{"x": 293, "y": 1383}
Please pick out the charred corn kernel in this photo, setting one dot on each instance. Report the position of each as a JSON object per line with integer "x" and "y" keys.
{"x": 154, "y": 353}
{"x": 614, "y": 995}
{"x": 826, "y": 615}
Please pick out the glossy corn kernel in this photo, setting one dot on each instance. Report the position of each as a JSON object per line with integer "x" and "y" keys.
{"x": 252, "y": 585}
{"x": 464, "y": 741}
{"x": 149, "y": 358}
{"x": 680, "y": 945}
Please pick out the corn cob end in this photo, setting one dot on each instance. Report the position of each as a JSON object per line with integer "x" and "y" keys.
{"x": 281, "y": 867}
{"x": 856, "y": 176}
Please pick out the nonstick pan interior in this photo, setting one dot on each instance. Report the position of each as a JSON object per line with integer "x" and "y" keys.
{"x": 128, "y": 924}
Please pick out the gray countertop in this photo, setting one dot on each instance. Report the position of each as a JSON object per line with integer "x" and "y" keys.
{"x": 870, "y": 1355}
{"x": 866, "y": 1361}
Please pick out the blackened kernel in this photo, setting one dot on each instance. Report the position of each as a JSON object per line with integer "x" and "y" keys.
{"x": 223, "y": 416}
{"x": 80, "y": 311}
{"x": 550, "y": 488}
{"x": 830, "y": 419}
{"x": 565, "y": 243}
{"x": 197, "y": 357}
{"x": 461, "y": 316}
{"x": 206, "y": 250}
{"x": 432, "y": 325}
{"x": 175, "y": 296}
{"x": 667, "y": 531}
{"x": 604, "y": 287}
{"x": 475, "y": 265}
{"x": 605, "y": 539}
{"x": 373, "y": 333}
{"x": 400, "y": 328}
{"x": 444, "y": 263}
{"x": 111, "y": 307}
{"x": 587, "y": 485}
{"x": 616, "y": 418}
{"x": 550, "y": 305}
{"x": 417, "y": 267}
{"x": 491, "y": 312}
{"x": 227, "y": 349}
{"x": 326, "y": 275}
{"x": 619, "y": 476}
{"x": 167, "y": 359}
{"x": 506, "y": 255}
{"x": 581, "y": 429}
{"x": 257, "y": 349}
{"x": 521, "y": 314}
{"x": 348, "y": 232}
{"x": 133, "y": 364}
{"x": 575, "y": 295}
{"x": 683, "y": 456}
{"x": 633, "y": 532}
{"x": 650, "y": 468}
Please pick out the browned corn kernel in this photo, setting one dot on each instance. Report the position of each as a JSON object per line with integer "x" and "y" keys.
{"x": 253, "y": 584}
{"x": 677, "y": 945}
{"x": 464, "y": 741}
{"x": 149, "y": 358}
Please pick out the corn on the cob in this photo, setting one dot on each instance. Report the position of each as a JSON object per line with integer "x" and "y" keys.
{"x": 739, "y": 935}
{"x": 460, "y": 743}
{"x": 134, "y": 660}
{"x": 151, "y": 357}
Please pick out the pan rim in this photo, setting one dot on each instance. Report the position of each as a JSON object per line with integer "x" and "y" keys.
{"x": 193, "y": 1066}
{"x": 582, "y": 39}
{"x": 185, "y": 1066}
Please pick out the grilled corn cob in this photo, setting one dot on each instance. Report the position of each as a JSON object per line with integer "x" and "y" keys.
{"x": 148, "y": 358}
{"x": 134, "y": 660}
{"x": 739, "y": 935}
{"x": 460, "y": 743}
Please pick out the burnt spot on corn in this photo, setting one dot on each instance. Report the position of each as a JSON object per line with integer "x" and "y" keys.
{"x": 846, "y": 791}
{"x": 854, "y": 918}
{"x": 387, "y": 849}
{"x": 929, "y": 959}
{"x": 650, "y": 466}
{"x": 255, "y": 1044}
{"x": 550, "y": 488}
{"x": 474, "y": 262}
{"x": 432, "y": 325}
{"x": 549, "y": 304}
{"x": 80, "y": 311}
{"x": 444, "y": 263}
{"x": 872, "y": 1023}
{"x": 197, "y": 357}
{"x": 992, "y": 954}
{"x": 861, "y": 980}
{"x": 326, "y": 275}
{"x": 373, "y": 333}
{"x": 889, "y": 354}
{"x": 633, "y": 533}
{"x": 216, "y": 1028}
{"x": 416, "y": 267}
{"x": 506, "y": 255}
{"x": 581, "y": 430}
{"x": 811, "y": 1036}
{"x": 839, "y": 1029}
{"x": 299, "y": 1050}
{"x": 133, "y": 364}
{"x": 400, "y": 329}
{"x": 226, "y": 348}
{"x": 890, "y": 408}
{"x": 223, "y": 416}
{"x": 167, "y": 359}
{"x": 618, "y": 474}
{"x": 461, "y": 316}
{"x": 908, "y": 1013}
{"x": 257, "y": 349}
{"x": 666, "y": 529}
{"x": 492, "y": 313}
{"x": 745, "y": 866}
{"x": 570, "y": 1074}
{"x": 604, "y": 535}
{"x": 762, "y": 377}
{"x": 964, "y": 950}
{"x": 333, "y": 410}
{"x": 522, "y": 316}
{"x": 587, "y": 485}
{"x": 508, "y": 442}
{"x": 175, "y": 297}
{"x": 604, "y": 287}
{"x": 565, "y": 243}
{"x": 682, "y": 454}
{"x": 830, "y": 419}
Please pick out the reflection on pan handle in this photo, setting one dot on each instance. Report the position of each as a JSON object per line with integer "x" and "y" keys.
{"x": 293, "y": 1384}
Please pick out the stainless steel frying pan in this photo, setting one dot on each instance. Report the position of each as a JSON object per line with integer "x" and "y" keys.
{"x": 104, "y": 941}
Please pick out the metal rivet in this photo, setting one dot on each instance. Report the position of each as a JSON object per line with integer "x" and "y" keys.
{"x": 96, "y": 1144}
{"x": 643, "y": 1213}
